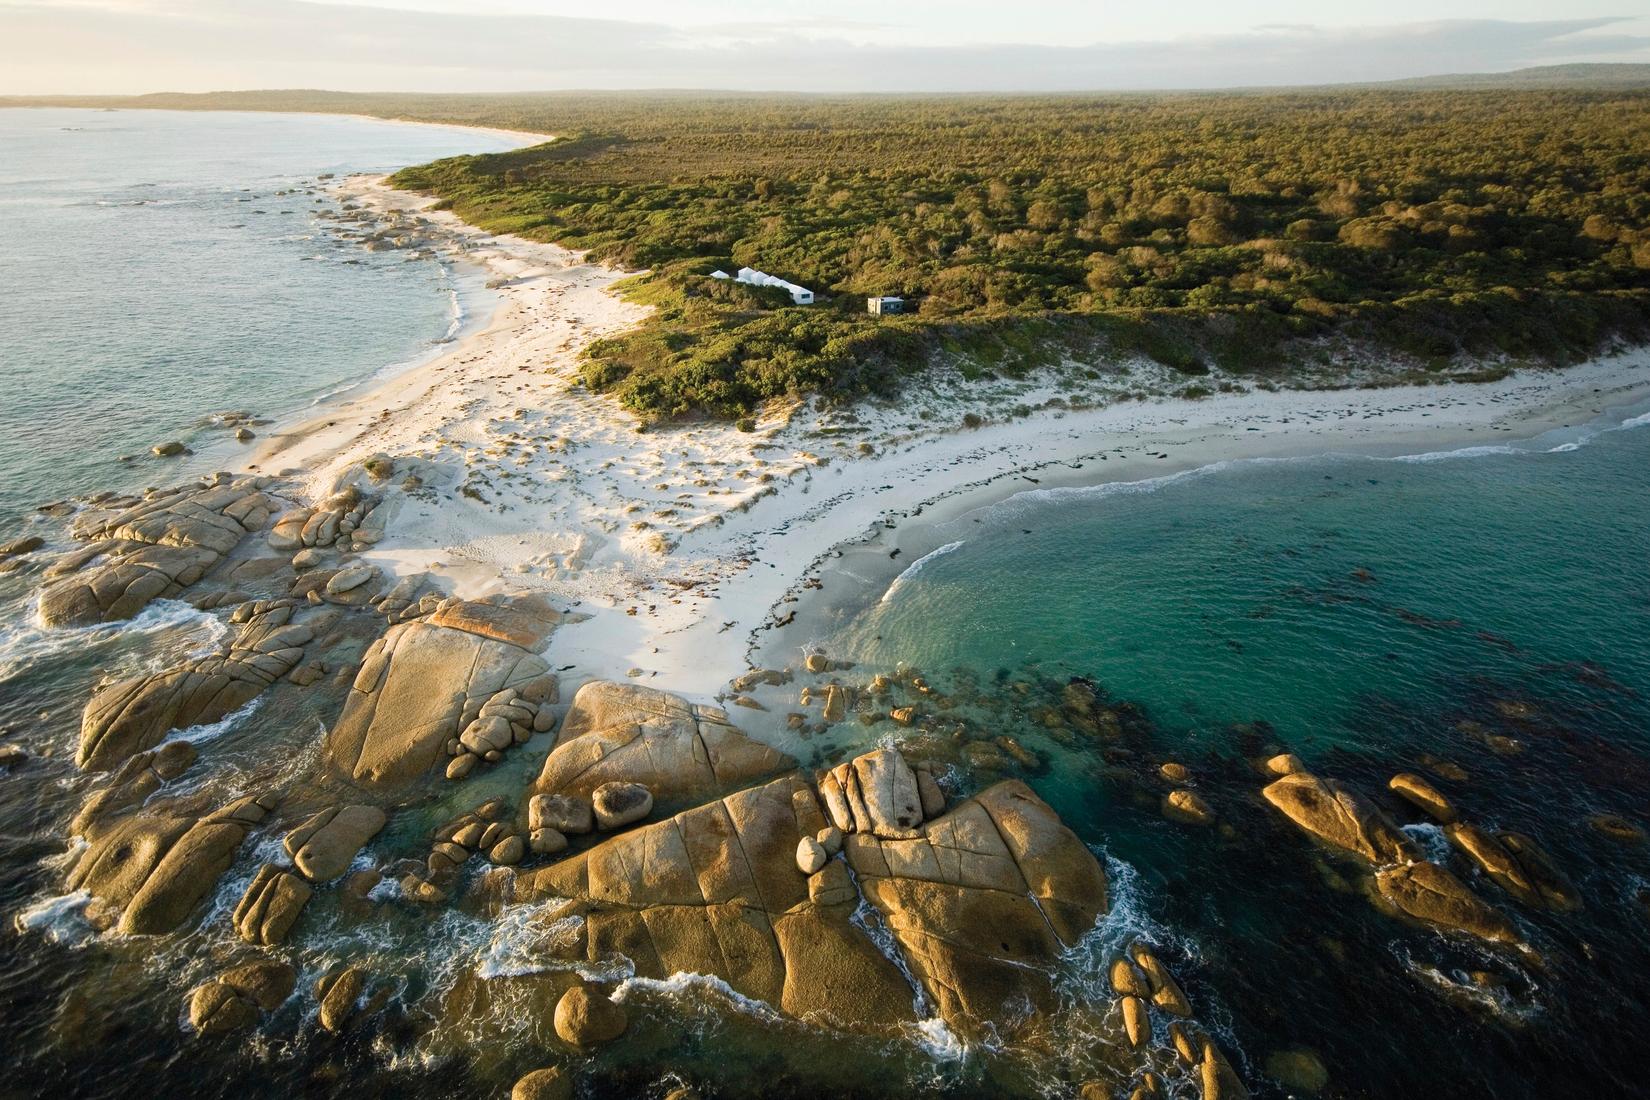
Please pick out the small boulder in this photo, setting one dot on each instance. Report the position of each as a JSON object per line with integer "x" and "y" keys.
{"x": 215, "y": 1008}
{"x": 616, "y": 805}
{"x": 928, "y": 790}
{"x": 338, "y": 993}
{"x": 586, "y": 1016}
{"x": 817, "y": 662}
{"x": 810, "y": 855}
{"x": 270, "y": 906}
{"x": 1166, "y": 992}
{"x": 1187, "y": 807}
{"x": 170, "y": 449}
{"x": 1424, "y": 796}
{"x": 507, "y": 852}
{"x": 1285, "y": 763}
{"x": 547, "y": 842}
{"x": 1126, "y": 980}
{"x": 543, "y": 1084}
{"x": 565, "y": 813}
{"x": 1137, "y": 1025}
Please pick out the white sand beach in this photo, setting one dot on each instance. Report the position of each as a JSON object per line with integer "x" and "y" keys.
{"x": 676, "y": 545}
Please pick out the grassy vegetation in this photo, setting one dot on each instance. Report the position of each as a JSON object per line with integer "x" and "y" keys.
{"x": 1231, "y": 229}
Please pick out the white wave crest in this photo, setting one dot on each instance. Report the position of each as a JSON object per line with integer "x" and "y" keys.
{"x": 693, "y": 988}
{"x": 917, "y": 566}
{"x": 27, "y": 641}
{"x": 1430, "y": 839}
{"x": 59, "y": 919}
{"x": 199, "y": 735}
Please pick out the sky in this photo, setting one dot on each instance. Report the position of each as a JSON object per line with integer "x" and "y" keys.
{"x": 114, "y": 46}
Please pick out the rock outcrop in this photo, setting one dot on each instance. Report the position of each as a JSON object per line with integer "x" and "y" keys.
{"x": 1338, "y": 816}
{"x": 323, "y": 846}
{"x": 132, "y": 715}
{"x": 681, "y": 752}
{"x": 147, "y": 872}
{"x": 150, "y": 548}
{"x": 347, "y": 520}
{"x": 421, "y": 685}
{"x": 1431, "y": 895}
{"x": 133, "y": 783}
{"x": 982, "y": 902}
{"x": 237, "y": 998}
{"x": 270, "y": 906}
{"x": 715, "y": 890}
{"x": 1517, "y": 864}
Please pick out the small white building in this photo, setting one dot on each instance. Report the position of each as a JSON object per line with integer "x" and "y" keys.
{"x": 884, "y": 305}
{"x": 802, "y": 296}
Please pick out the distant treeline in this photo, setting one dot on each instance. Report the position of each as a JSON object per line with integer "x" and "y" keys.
{"x": 1209, "y": 228}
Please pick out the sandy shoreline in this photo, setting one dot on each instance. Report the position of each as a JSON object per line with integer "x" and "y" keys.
{"x": 679, "y": 547}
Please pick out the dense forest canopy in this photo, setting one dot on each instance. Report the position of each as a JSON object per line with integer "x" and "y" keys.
{"x": 1197, "y": 228}
{"x": 1441, "y": 224}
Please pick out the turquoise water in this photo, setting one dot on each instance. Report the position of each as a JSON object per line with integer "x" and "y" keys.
{"x": 154, "y": 274}
{"x": 1371, "y": 615}
{"x": 1296, "y": 591}
{"x": 1483, "y": 610}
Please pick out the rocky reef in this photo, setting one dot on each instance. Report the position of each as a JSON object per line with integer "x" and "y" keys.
{"x": 427, "y": 781}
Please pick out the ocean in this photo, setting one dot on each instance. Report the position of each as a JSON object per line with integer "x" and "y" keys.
{"x": 1480, "y": 616}
{"x": 160, "y": 267}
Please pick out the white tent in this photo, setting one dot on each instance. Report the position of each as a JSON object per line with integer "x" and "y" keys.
{"x": 802, "y": 296}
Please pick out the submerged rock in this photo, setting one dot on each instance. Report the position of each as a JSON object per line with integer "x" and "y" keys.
{"x": 1299, "y": 1069}
{"x": 1187, "y": 807}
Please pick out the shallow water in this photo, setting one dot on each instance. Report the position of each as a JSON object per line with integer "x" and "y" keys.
{"x": 1371, "y": 615}
{"x": 160, "y": 266}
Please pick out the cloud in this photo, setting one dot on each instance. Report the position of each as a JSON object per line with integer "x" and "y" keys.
{"x": 194, "y": 45}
